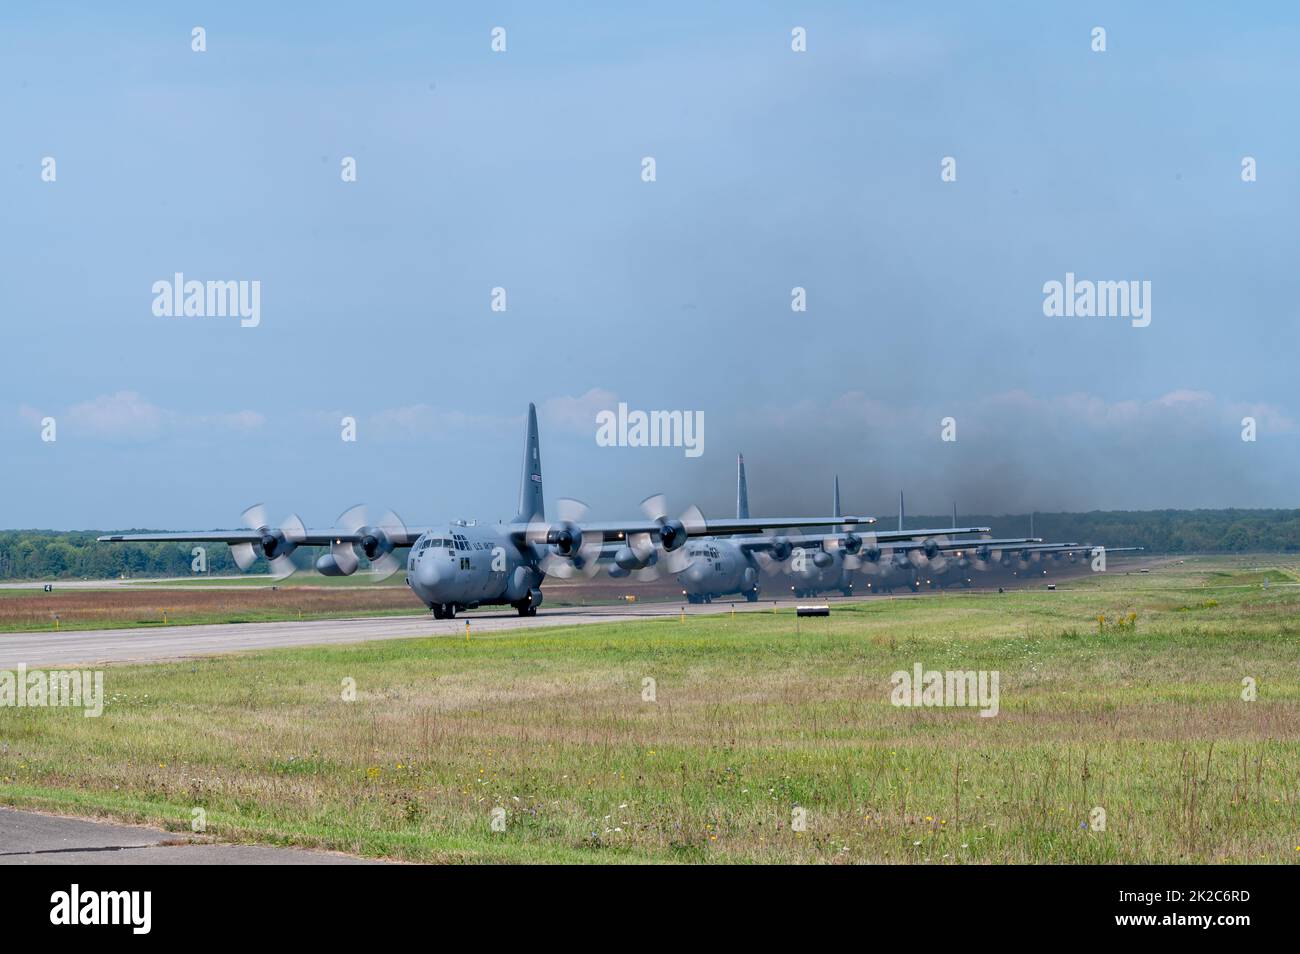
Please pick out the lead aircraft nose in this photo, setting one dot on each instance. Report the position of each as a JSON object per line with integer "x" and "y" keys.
{"x": 426, "y": 574}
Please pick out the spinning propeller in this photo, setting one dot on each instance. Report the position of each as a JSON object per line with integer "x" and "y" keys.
{"x": 377, "y": 541}
{"x": 276, "y": 543}
{"x": 565, "y": 550}
{"x": 663, "y": 552}
{"x": 930, "y": 554}
{"x": 849, "y": 546}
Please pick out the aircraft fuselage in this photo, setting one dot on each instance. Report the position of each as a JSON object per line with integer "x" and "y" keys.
{"x": 469, "y": 564}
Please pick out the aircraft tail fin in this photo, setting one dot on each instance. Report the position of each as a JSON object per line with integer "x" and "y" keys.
{"x": 837, "y": 512}
{"x": 954, "y": 515}
{"x": 742, "y": 489}
{"x": 900, "y": 510}
{"x": 531, "y": 504}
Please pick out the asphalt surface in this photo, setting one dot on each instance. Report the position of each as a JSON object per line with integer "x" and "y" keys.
{"x": 221, "y": 583}
{"x": 34, "y": 838}
{"x": 85, "y": 647}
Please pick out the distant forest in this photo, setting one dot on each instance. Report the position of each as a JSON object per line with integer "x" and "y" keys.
{"x": 44, "y": 554}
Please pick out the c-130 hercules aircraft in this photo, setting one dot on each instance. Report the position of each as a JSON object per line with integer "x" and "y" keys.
{"x": 467, "y": 564}
{"x": 814, "y": 562}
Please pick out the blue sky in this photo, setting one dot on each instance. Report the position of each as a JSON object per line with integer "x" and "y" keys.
{"x": 522, "y": 170}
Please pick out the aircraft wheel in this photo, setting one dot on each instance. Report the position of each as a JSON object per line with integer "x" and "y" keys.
{"x": 752, "y": 596}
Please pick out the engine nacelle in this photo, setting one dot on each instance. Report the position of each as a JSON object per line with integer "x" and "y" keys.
{"x": 672, "y": 534}
{"x": 871, "y": 554}
{"x": 275, "y": 544}
{"x": 822, "y": 559}
{"x": 566, "y": 537}
{"x": 326, "y": 565}
{"x": 930, "y": 548}
{"x": 374, "y": 543}
{"x": 851, "y": 543}
{"x": 627, "y": 559}
{"x": 781, "y": 548}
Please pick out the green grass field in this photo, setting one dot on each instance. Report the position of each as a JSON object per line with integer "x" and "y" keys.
{"x": 1141, "y": 716}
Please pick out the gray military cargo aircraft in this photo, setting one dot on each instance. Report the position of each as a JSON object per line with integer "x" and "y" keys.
{"x": 819, "y": 561}
{"x": 904, "y": 557}
{"x": 467, "y": 564}
{"x": 1023, "y": 556}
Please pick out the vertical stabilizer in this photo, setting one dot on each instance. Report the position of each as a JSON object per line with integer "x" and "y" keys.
{"x": 900, "y": 510}
{"x": 742, "y": 489}
{"x": 954, "y": 515}
{"x": 837, "y": 511}
{"x": 530, "y": 480}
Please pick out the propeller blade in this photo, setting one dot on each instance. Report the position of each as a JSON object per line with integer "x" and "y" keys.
{"x": 679, "y": 561}
{"x": 352, "y": 519}
{"x": 243, "y": 554}
{"x": 345, "y": 558}
{"x": 293, "y": 528}
{"x": 282, "y": 567}
{"x": 569, "y": 510}
{"x": 535, "y": 534}
{"x": 255, "y": 517}
{"x": 655, "y": 507}
{"x": 386, "y": 564}
{"x": 382, "y": 567}
{"x": 693, "y": 520}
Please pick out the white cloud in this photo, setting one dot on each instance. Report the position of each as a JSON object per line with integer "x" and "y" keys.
{"x": 128, "y": 417}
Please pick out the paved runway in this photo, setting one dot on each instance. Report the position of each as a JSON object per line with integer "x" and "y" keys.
{"x": 34, "y": 838}
{"x": 143, "y": 583}
{"x": 86, "y": 647}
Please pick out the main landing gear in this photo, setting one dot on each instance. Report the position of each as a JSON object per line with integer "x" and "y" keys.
{"x": 444, "y": 610}
{"x": 528, "y": 605}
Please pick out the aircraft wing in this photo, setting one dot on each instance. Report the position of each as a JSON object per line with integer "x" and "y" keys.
{"x": 888, "y": 536}
{"x": 619, "y": 530}
{"x": 818, "y": 540}
{"x": 1080, "y": 547}
{"x": 879, "y": 537}
{"x": 309, "y": 538}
